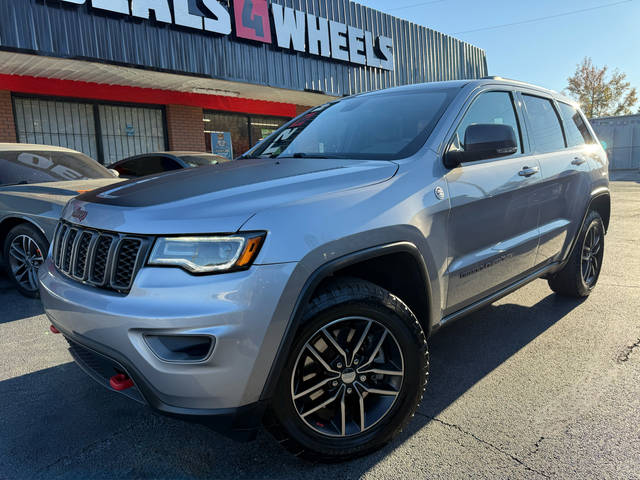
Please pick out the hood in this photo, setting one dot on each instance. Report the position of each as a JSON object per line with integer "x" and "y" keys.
{"x": 58, "y": 192}
{"x": 219, "y": 198}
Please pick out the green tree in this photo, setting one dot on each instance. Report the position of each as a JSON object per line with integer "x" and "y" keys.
{"x": 599, "y": 94}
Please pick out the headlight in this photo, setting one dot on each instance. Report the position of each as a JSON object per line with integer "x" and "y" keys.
{"x": 207, "y": 254}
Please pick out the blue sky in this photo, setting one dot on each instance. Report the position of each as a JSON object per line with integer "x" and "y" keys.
{"x": 544, "y": 52}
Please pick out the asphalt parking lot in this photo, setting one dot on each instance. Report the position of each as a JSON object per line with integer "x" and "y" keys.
{"x": 532, "y": 386}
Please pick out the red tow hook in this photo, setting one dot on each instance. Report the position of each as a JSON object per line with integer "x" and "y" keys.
{"x": 53, "y": 329}
{"x": 120, "y": 382}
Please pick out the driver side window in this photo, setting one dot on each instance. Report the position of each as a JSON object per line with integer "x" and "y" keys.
{"x": 489, "y": 108}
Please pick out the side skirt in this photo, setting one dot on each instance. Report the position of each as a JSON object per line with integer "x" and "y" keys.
{"x": 495, "y": 296}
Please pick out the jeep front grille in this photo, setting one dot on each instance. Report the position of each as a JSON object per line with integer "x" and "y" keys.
{"x": 98, "y": 258}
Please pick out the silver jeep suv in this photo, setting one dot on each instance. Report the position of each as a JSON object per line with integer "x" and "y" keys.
{"x": 297, "y": 286}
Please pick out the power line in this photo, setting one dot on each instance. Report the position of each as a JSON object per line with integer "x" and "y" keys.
{"x": 421, "y": 4}
{"x": 532, "y": 20}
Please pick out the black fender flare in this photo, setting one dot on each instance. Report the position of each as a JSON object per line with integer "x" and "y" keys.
{"x": 321, "y": 273}
{"x": 596, "y": 195}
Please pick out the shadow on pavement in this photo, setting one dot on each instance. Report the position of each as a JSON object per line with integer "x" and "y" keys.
{"x": 57, "y": 422}
{"x": 14, "y": 306}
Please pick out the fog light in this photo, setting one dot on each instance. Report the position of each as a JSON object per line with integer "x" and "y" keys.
{"x": 181, "y": 348}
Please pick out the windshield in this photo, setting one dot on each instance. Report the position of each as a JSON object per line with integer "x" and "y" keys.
{"x": 202, "y": 160}
{"x": 383, "y": 126}
{"x": 41, "y": 166}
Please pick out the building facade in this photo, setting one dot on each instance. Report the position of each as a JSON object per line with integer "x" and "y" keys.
{"x": 621, "y": 139}
{"x": 113, "y": 78}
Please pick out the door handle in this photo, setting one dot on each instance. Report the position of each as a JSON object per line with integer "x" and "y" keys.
{"x": 578, "y": 161}
{"x": 528, "y": 171}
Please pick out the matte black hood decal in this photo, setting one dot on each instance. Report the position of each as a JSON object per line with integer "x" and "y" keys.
{"x": 178, "y": 185}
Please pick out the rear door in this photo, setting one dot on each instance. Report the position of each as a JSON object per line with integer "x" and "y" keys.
{"x": 493, "y": 223}
{"x": 555, "y": 130}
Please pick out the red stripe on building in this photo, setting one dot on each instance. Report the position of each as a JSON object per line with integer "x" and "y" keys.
{"x": 119, "y": 93}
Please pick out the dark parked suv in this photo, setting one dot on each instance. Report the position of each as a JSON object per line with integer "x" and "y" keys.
{"x": 299, "y": 284}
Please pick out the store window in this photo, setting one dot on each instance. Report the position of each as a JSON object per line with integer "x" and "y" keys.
{"x": 128, "y": 131}
{"x": 50, "y": 122}
{"x": 245, "y": 130}
{"x": 106, "y": 133}
{"x": 262, "y": 127}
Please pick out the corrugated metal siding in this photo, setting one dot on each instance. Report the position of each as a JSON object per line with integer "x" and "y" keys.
{"x": 421, "y": 54}
{"x": 622, "y": 136}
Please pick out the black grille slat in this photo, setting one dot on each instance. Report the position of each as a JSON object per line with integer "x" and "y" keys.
{"x": 81, "y": 255}
{"x": 57, "y": 243}
{"x": 126, "y": 260}
{"x": 68, "y": 249}
{"x": 101, "y": 259}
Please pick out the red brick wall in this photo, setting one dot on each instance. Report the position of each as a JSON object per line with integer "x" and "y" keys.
{"x": 185, "y": 128}
{"x": 7, "y": 122}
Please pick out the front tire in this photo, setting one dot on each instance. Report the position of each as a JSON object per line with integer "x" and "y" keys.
{"x": 355, "y": 376}
{"x": 579, "y": 276}
{"x": 25, "y": 249}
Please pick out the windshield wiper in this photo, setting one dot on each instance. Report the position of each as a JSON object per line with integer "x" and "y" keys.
{"x": 305, "y": 155}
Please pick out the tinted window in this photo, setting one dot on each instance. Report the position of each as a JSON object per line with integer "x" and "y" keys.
{"x": 141, "y": 166}
{"x": 490, "y": 107}
{"x": 544, "y": 125}
{"x": 574, "y": 126}
{"x": 381, "y": 126}
{"x": 43, "y": 166}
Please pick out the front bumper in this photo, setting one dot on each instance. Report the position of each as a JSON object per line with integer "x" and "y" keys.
{"x": 235, "y": 308}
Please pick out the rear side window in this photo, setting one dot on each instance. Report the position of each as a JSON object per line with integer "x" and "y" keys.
{"x": 42, "y": 166}
{"x": 574, "y": 126}
{"x": 544, "y": 124}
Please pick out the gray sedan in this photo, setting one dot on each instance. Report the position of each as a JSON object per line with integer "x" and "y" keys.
{"x": 36, "y": 181}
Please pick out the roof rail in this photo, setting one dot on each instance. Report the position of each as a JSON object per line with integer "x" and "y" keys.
{"x": 496, "y": 77}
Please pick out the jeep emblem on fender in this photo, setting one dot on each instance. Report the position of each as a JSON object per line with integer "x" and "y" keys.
{"x": 439, "y": 193}
{"x": 79, "y": 213}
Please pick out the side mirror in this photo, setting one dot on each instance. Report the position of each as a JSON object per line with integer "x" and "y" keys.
{"x": 113, "y": 172}
{"x": 483, "y": 141}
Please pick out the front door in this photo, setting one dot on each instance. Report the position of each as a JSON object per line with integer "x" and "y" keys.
{"x": 493, "y": 223}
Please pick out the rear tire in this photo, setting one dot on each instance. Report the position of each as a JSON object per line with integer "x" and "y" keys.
{"x": 579, "y": 276}
{"x": 25, "y": 249}
{"x": 355, "y": 327}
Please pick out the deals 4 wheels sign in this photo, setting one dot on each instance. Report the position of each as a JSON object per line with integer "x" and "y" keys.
{"x": 262, "y": 21}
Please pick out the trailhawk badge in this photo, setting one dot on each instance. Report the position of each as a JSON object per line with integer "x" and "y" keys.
{"x": 439, "y": 193}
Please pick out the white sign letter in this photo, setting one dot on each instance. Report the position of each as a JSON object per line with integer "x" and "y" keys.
{"x": 222, "y": 23}
{"x": 356, "y": 46}
{"x": 118, "y": 6}
{"x": 372, "y": 58}
{"x": 141, "y": 9}
{"x": 184, "y": 17}
{"x": 318, "y": 29}
{"x": 290, "y": 27}
{"x": 385, "y": 45}
{"x": 339, "y": 49}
